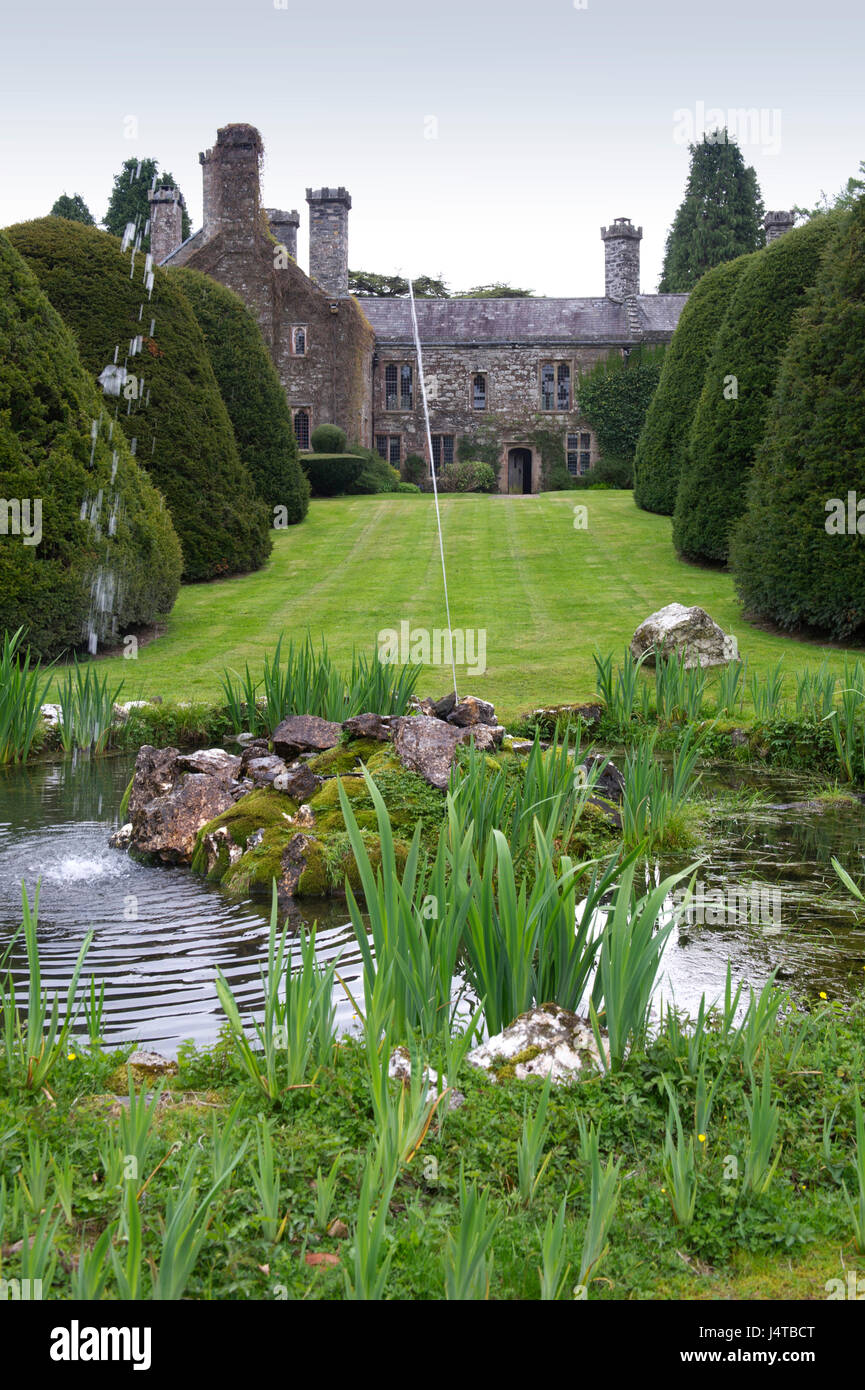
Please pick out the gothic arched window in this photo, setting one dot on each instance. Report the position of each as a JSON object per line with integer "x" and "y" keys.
{"x": 301, "y": 428}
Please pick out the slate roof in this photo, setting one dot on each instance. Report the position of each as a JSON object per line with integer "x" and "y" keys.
{"x": 660, "y": 312}
{"x": 464, "y": 321}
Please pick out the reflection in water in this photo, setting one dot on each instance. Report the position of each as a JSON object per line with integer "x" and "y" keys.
{"x": 160, "y": 932}
{"x": 812, "y": 936}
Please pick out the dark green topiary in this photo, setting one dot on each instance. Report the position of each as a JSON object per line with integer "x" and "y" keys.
{"x": 330, "y": 474}
{"x": 376, "y": 475}
{"x": 184, "y": 436}
{"x": 789, "y": 567}
{"x": 664, "y": 437}
{"x": 614, "y": 396}
{"x": 730, "y": 419}
{"x": 609, "y": 471}
{"x": 328, "y": 439}
{"x": 415, "y": 469}
{"x": 252, "y": 392}
{"x": 48, "y": 403}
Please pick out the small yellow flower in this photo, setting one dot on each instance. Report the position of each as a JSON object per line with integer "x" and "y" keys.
{"x": 701, "y": 1138}
{"x": 663, "y": 1189}
{"x": 70, "y": 1057}
{"x": 823, "y": 994}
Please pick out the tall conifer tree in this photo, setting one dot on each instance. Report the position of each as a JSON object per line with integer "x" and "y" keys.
{"x": 128, "y": 199}
{"x": 74, "y": 209}
{"x": 720, "y": 218}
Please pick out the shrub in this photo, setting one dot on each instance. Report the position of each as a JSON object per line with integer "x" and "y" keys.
{"x": 728, "y": 428}
{"x": 184, "y": 436}
{"x": 376, "y": 475}
{"x": 330, "y": 474}
{"x": 48, "y": 402}
{"x": 614, "y": 397}
{"x": 560, "y": 480}
{"x": 664, "y": 436}
{"x": 608, "y": 472}
{"x": 252, "y": 391}
{"x": 407, "y": 487}
{"x": 415, "y": 469}
{"x": 471, "y": 476}
{"x": 788, "y": 568}
{"x": 328, "y": 439}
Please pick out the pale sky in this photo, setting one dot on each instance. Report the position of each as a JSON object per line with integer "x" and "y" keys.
{"x": 480, "y": 140}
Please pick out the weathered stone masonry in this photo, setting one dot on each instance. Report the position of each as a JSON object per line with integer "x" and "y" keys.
{"x": 500, "y": 369}
{"x": 319, "y": 339}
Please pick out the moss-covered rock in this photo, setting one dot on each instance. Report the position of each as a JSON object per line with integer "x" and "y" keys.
{"x": 385, "y": 760}
{"x": 345, "y": 757}
{"x": 341, "y": 864}
{"x": 313, "y": 880}
{"x": 259, "y": 810}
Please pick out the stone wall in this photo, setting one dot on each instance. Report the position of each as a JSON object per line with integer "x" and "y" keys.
{"x": 775, "y": 224}
{"x": 513, "y": 411}
{"x": 166, "y": 221}
{"x": 284, "y": 226}
{"x": 621, "y": 259}
{"x": 328, "y": 238}
{"x": 330, "y": 377}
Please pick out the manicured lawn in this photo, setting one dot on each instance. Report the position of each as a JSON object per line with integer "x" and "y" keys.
{"x": 546, "y": 595}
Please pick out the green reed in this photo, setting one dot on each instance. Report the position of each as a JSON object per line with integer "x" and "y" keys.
{"x": 299, "y": 1014}
{"x": 303, "y": 679}
{"x": 416, "y": 920}
{"x": 33, "y": 1050}
{"x": 87, "y": 703}
{"x": 468, "y": 1262}
{"x": 22, "y": 693}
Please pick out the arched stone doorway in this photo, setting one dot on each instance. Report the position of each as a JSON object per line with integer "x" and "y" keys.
{"x": 519, "y": 470}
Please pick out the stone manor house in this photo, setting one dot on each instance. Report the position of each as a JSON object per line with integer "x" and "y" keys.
{"x": 503, "y": 371}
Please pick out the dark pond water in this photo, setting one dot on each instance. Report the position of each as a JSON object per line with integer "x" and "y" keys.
{"x": 160, "y": 933}
{"x": 800, "y": 920}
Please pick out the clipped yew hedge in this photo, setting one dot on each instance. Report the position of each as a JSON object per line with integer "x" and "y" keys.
{"x": 252, "y": 391}
{"x": 789, "y": 568}
{"x": 48, "y": 404}
{"x": 664, "y": 439}
{"x": 184, "y": 435}
{"x": 331, "y": 474}
{"x": 730, "y": 419}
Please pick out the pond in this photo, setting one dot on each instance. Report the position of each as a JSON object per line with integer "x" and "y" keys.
{"x": 161, "y": 932}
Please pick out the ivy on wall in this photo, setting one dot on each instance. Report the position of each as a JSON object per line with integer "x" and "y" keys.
{"x": 615, "y": 395}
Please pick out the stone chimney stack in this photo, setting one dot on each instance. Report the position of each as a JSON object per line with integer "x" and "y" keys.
{"x": 166, "y": 222}
{"x": 328, "y": 238}
{"x": 776, "y": 224}
{"x": 621, "y": 259}
{"x": 284, "y": 227}
{"x": 232, "y": 194}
